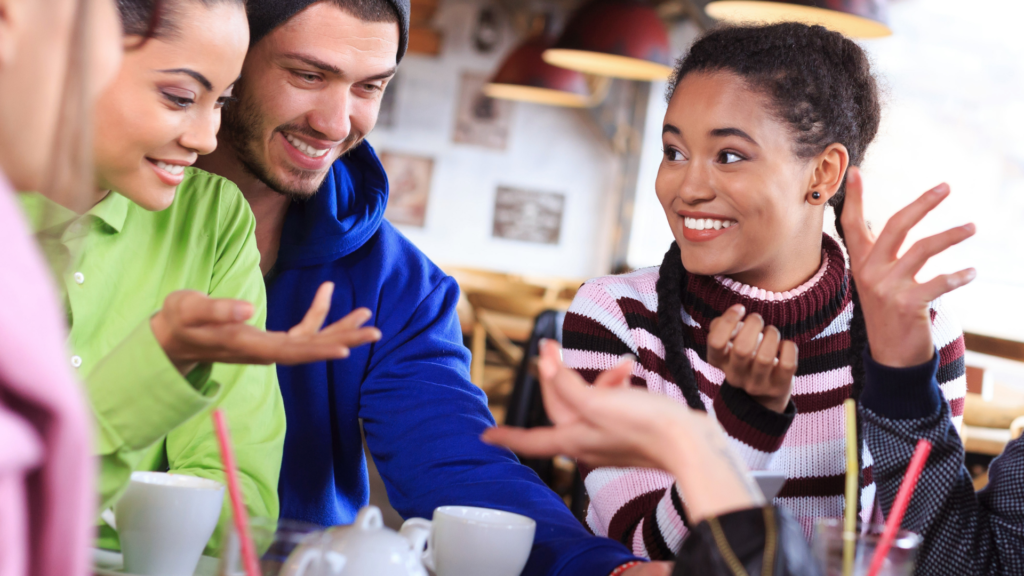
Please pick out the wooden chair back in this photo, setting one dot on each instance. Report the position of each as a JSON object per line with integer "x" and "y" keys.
{"x": 500, "y": 308}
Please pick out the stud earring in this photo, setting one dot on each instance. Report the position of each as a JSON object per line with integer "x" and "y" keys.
{"x": 816, "y": 195}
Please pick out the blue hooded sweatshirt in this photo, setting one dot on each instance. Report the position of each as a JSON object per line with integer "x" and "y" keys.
{"x": 421, "y": 414}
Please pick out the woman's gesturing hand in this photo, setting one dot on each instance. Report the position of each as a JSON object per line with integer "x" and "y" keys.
{"x": 193, "y": 328}
{"x": 895, "y": 304}
{"x": 605, "y": 425}
{"x": 753, "y": 357}
{"x": 615, "y": 424}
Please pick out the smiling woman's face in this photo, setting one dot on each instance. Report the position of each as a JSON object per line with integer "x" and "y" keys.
{"x": 163, "y": 110}
{"x": 733, "y": 189}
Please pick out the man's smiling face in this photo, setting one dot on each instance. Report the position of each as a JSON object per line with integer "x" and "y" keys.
{"x": 310, "y": 91}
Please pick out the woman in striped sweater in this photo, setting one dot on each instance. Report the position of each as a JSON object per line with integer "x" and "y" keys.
{"x": 761, "y": 127}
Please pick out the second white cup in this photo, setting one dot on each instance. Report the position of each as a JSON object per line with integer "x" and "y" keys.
{"x": 469, "y": 541}
{"x": 164, "y": 521}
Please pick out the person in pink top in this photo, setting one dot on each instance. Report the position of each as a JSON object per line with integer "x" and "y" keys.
{"x": 47, "y": 86}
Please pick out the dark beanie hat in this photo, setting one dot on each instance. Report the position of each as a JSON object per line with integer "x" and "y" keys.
{"x": 265, "y": 15}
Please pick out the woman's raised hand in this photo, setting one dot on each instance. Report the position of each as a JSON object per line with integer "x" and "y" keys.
{"x": 753, "y": 357}
{"x": 193, "y": 328}
{"x": 895, "y": 304}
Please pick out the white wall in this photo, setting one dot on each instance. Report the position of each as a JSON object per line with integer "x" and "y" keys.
{"x": 953, "y": 84}
{"x": 955, "y": 113}
{"x": 549, "y": 149}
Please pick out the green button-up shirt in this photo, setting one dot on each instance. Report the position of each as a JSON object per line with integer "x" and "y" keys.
{"x": 116, "y": 264}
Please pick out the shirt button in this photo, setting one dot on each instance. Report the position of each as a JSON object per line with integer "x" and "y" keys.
{"x": 79, "y": 277}
{"x": 76, "y": 361}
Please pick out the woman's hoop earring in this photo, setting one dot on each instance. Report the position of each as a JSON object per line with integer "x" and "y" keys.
{"x": 816, "y": 195}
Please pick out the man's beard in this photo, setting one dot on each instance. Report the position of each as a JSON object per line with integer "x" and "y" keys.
{"x": 241, "y": 128}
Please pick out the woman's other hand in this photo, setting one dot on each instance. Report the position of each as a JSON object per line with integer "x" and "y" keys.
{"x": 753, "y": 357}
{"x": 895, "y": 304}
{"x": 193, "y": 328}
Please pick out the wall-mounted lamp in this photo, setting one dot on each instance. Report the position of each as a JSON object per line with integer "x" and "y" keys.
{"x": 617, "y": 38}
{"x": 852, "y": 18}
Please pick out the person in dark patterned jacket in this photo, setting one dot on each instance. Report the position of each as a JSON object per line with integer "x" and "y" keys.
{"x": 963, "y": 532}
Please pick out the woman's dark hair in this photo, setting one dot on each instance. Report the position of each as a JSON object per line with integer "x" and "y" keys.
{"x": 818, "y": 83}
{"x": 155, "y": 18}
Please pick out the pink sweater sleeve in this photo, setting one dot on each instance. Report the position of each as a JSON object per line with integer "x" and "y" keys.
{"x": 952, "y": 376}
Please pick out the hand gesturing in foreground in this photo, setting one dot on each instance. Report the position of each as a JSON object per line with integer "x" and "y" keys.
{"x": 193, "y": 328}
{"x": 608, "y": 424}
{"x": 614, "y": 424}
{"x": 753, "y": 357}
{"x": 895, "y": 304}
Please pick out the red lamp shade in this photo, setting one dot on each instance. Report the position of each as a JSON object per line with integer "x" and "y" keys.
{"x": 852, "y": 18}
{"x": 525, "y": 76}
{"x": 618, "y": 38}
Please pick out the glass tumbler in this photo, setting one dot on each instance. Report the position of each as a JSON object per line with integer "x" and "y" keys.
{"x": 827, "y": 546}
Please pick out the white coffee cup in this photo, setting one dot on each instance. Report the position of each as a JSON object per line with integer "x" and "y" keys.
{"x": 469, "y": 541}
{"x": 164, "y": 522}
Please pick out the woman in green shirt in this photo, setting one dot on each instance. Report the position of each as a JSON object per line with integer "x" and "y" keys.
{"x": 164, "y": 296}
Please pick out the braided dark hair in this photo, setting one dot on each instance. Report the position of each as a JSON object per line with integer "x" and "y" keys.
{"x": 671, "y": 279}
{"x": 819, "y": 83}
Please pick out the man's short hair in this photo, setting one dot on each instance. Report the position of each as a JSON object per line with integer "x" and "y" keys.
{"x": 369, "y": 10}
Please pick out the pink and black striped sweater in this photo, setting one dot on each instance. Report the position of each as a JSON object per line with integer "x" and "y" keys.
{"x": 615, "y": 315}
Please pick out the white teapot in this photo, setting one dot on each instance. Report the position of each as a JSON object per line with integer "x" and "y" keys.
{"x": 364, "y": 548}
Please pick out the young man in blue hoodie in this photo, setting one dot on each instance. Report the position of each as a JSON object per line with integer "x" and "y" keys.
{"x": 294, "y": 143}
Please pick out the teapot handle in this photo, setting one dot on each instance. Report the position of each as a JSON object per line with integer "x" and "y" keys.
{"x": 420, "y": 536}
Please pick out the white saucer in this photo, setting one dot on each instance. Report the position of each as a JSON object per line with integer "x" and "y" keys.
{"x": 110, "y": 563}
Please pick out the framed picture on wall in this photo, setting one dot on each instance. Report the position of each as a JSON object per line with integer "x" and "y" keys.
{"x": 481, "y": 120}
{"x": 528, "y": 216}
{"x": 409, "y": 187}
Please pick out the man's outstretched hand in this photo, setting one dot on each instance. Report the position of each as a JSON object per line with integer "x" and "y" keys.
{"x": 193, "y": 328}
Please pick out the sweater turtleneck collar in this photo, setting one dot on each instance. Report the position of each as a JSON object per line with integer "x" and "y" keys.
{"x": 800, "y": 314}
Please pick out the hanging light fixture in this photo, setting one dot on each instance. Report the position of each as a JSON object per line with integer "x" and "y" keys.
{"x": 617, "y": 38}
{"x": 851, "y": 18}
{"x": 526, "y": 77}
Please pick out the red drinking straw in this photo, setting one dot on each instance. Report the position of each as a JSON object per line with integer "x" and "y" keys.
{"x": 899, "y": 507}
{"x": 252, "y": 566}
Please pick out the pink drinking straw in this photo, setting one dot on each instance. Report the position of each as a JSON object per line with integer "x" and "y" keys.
{"x": 252, "y": 566}
{"x": 899, "y": 507}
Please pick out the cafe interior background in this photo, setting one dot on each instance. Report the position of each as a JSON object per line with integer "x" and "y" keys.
{"x": 522, "y": 201}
